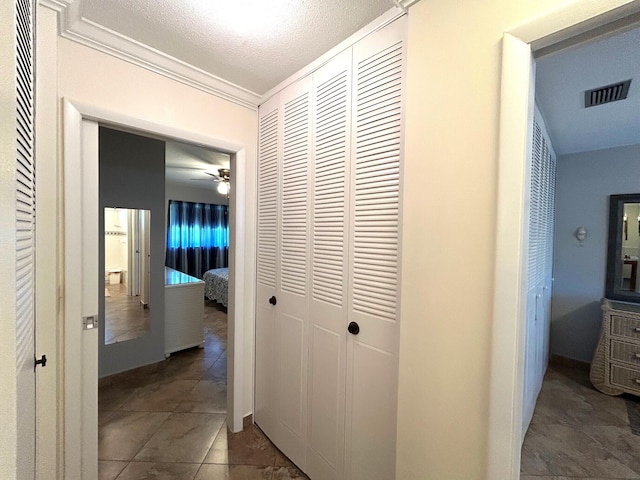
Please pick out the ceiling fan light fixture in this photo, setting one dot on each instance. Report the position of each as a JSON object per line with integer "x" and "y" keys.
{"x": 223, "y": 188}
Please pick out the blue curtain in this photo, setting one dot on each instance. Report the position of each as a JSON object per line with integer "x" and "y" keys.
{"x": 197, "y": 237}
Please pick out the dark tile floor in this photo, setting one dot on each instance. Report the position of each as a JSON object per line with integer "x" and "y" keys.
{"x": 578, "y": 433}
{"x": 167, "y": 421}
{"x": 125, "y": 318}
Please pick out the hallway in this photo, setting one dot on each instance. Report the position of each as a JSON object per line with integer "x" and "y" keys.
{"x": 167, "y": 421}
{"x": 579, "y": 433}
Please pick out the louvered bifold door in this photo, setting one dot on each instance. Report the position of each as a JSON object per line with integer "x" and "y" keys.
{"x": 374, "y": 253}
{"x": 25, "y": 239}
{"x": 293, "y": 273}
{"x": 329, "y": 262}
{"x": 540, "y": 208}
{"x": 267, "y": 276}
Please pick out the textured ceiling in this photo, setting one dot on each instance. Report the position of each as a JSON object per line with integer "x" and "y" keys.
{"x": 186, "y": 164}
{"x": 254, "y": 44}
{"x": 563, "y": 77}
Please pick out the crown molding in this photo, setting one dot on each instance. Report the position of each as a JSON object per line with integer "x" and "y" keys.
{"x": 73, "y": 26}
{"x": 56, "y": 5}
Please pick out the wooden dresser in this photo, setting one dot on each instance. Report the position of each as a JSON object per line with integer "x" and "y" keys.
{"x": 616, "y": 363}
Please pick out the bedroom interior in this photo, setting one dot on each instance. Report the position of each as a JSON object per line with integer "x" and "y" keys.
{"x": 195, "y": 296}
{"x": 592, "y": 256}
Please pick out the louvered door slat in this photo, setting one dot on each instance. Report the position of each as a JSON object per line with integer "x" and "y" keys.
{"x": 294, "y": 241}
{"x": 267, "y": 205}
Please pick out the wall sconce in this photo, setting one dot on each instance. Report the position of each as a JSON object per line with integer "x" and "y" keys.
{"x": 581, "y": 234}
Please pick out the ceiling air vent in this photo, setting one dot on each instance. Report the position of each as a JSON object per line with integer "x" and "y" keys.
{"x": 608, "y": 94}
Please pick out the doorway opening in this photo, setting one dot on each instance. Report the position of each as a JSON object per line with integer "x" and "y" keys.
{"x": 82, "y": 272}
{"x": 517, "y": 100}
{"x": 596, "y": 158}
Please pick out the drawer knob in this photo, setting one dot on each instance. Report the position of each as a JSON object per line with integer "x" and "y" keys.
{"x": 637, "y": 380}
{"x": 637, "y": 329}
{"x": 637, "y": 355}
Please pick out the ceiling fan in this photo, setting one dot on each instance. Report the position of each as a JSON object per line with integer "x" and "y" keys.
{"x": 223, "y": 178}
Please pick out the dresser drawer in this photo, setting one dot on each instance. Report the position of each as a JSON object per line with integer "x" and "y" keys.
{"x": 626, "y": 378}
{"x": 625, "y": 352}
{"x": 626, "y": 327}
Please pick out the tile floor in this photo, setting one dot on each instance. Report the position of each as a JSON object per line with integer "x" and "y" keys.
{"x": 125, "y": 318}
{"x": 578, "y": 433}
{"x": 167, "y": 421}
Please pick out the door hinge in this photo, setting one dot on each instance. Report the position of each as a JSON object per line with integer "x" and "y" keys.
{"x": 41, "y": 361}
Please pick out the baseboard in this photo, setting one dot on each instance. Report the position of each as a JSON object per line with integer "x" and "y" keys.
{"x": 568, "y": 362}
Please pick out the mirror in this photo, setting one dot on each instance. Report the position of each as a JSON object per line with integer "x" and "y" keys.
{"x": 126, "y": 260}
{"x": 623, "y": 282}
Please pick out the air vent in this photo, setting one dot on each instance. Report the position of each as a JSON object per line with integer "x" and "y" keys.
{"x": 608, "y": 94}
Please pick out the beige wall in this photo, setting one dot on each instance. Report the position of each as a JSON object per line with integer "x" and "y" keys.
{"x": 447, "y": 273}
{"x": 91, "y": 77}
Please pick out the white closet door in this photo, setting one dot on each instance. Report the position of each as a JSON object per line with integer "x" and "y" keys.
{"x": 267, "y": 232}
{"x": 24, "y": 267}
{"x": 293, "y": 267}
{"x": 372, "y": 354}
{"x": 329, "y": 279}
{"x": 283, "y": 269}
{"x": 541, "y": 208}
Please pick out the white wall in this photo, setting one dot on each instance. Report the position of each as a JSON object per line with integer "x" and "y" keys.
{"x": 585, "y": 180}
{"x": 94, "y": 78}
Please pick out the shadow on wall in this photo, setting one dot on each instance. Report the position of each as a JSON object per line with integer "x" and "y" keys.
{"x": 576, "y": 333}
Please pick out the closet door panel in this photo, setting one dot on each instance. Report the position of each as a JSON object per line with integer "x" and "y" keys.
{"x": 374, "y": 249}
{"x": 372, "y": 455}
{"x": 293, "y": 266}
{"x": 329, "y": 279}
{"x": 291, "y": 361}
{"x": 267, "y": 251}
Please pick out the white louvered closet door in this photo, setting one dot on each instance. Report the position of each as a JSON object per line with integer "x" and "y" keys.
{"x": 20, "y": 272}
{"x": 267, "y": 279}
{"x": 329, "y": 274}
{"x": 372, "y": 354}
{"x": 293, "y": 266}
{"x": 542, "y": 172}
{"x": 283, "y": 269}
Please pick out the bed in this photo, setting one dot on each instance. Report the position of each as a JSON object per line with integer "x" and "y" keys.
{"x": 216, "y": 285}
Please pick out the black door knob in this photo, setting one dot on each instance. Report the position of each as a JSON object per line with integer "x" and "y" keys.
{"x": 41, "y": 361}
{"x": 353, "y": 328}
{"x": 273, "y": 300}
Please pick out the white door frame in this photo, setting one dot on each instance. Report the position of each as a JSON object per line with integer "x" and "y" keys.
{"x": 80, "y": 189}
{"x": 516, "y": 116}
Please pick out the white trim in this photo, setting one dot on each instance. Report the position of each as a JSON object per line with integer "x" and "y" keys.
{"x": 80, "y": 403}
{"x": 73, "y": 26}
{"x": 505, "y": 425}
{"x": 55, "y": 5}
{"x": 505, "y": 416}
{"x": 72, "y": 296}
